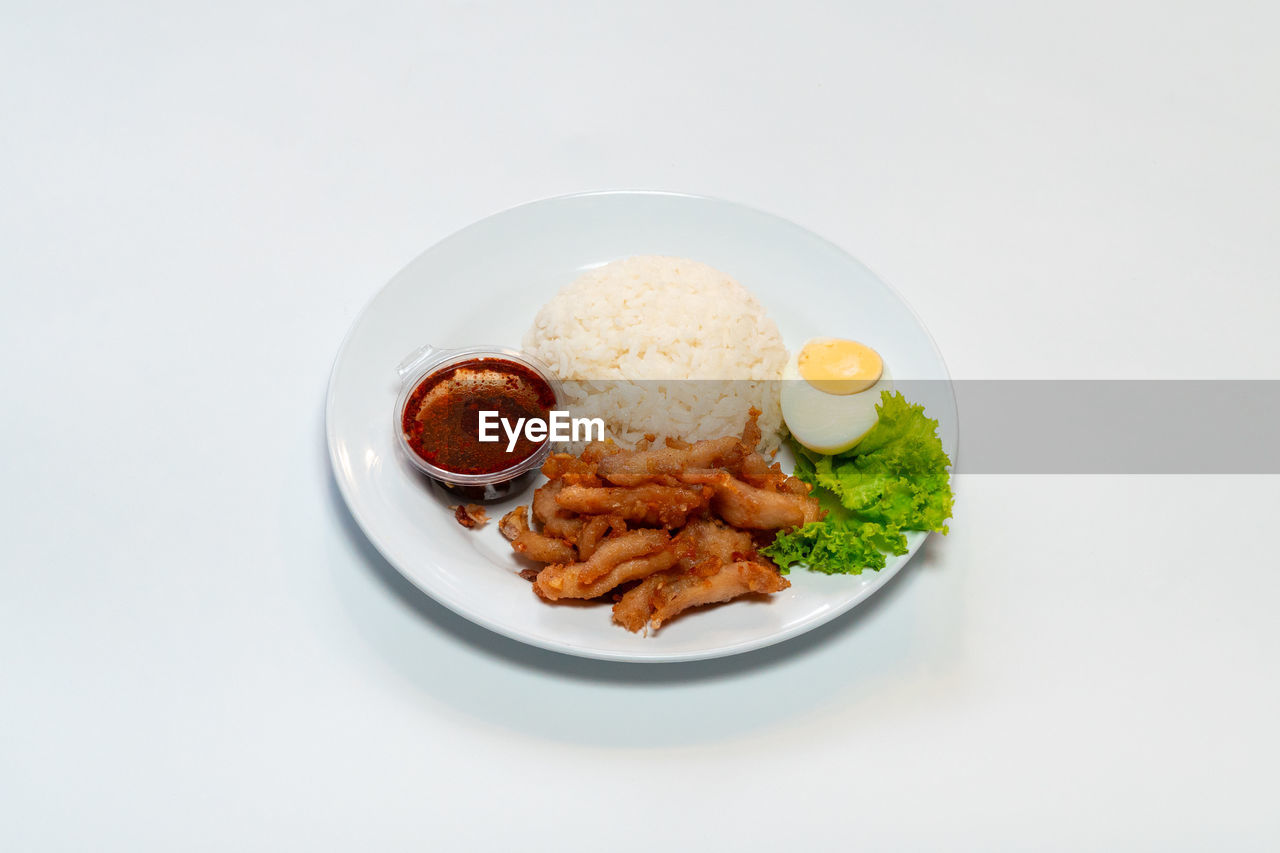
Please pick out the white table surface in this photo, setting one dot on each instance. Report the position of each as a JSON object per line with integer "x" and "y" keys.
{"x": 199, "y": 651}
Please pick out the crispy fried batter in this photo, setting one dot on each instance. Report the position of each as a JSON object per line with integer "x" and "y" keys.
{"x": 751, "y": 431}
{"x": 470, "y": 516}
{"x": 662, "y": 596}
{"x": 756, "y": 471}
{"x": 625, "y": 558}
{"x": 711, "y": 539}
{"x": 645, "y": 466}
{"x": 665, "y": 506}
{"x": 543, "y": 549}
{"x": 637, "y": 543}
{"x": 514, "y": 523}
{"x": 571, "y": 470}
{"x": 596, "y": 528}
{"x": 599, "y": 450}
{"x": 679, "y": 520}
{"x": 744, "y": 505}
{"x": 554, "y": 520}
{"x": 616, "y": 560}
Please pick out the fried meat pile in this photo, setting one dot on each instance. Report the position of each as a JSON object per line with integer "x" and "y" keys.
{"x": 659, "y": 529}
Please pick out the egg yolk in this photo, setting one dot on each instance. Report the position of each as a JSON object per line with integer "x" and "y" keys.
{"x": 837, "y": 366}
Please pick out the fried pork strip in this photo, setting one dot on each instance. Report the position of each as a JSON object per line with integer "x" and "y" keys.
{"x": 756, "y": 471}
{"x": 679, "y": 521}
{"x": 662, "y": 596}
{"x": 645, "y": 466}
{"x": 622, "y": 558}
{"x": 555, "y": 521}
{"x": 744, "y": 505}
{"x": 543, "y": 549}
{"x": 595, "y": 530}
{"x": 709, "y": 539}
{"x": 557, "y": 582}
{"x": 572, "y": 470}
{"x": 667, "y": 506}
{"x": 751, "y": 434}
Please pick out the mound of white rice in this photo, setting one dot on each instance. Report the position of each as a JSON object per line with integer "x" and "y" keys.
{"x": 625, "y": 339}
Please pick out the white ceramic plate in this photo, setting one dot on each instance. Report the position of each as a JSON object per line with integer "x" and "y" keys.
{"x": 483, "y": 285}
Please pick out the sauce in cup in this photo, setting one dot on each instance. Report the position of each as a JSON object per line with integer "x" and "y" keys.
{"x": 438, "y": 416}
{"x": 441, "y": 419}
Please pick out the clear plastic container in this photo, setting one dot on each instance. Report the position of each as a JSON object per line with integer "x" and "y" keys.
{"x": 427, "y": 361}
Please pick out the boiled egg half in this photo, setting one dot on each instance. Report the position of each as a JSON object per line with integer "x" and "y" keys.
{"x": 830, "y": 390}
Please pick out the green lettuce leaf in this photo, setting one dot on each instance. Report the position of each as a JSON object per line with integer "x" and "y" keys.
{"x": 836, "y": 547}
{"x": 894, "y": 480}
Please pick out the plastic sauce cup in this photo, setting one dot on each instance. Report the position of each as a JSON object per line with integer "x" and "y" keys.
{"x": 435, "y": 418}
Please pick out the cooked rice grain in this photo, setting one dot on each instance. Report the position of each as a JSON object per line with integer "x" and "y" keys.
{"x": 627, "y": 338}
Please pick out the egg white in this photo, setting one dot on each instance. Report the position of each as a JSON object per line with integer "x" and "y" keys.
{"x": 828, "y": 423}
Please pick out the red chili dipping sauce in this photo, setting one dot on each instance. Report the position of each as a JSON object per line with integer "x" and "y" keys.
{"x": 441, "y": 418}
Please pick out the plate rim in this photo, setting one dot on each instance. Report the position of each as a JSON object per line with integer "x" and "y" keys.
{"x": 882, "y": 577}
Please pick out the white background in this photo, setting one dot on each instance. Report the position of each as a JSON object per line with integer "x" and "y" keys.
{"x": 198, "y": 650}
